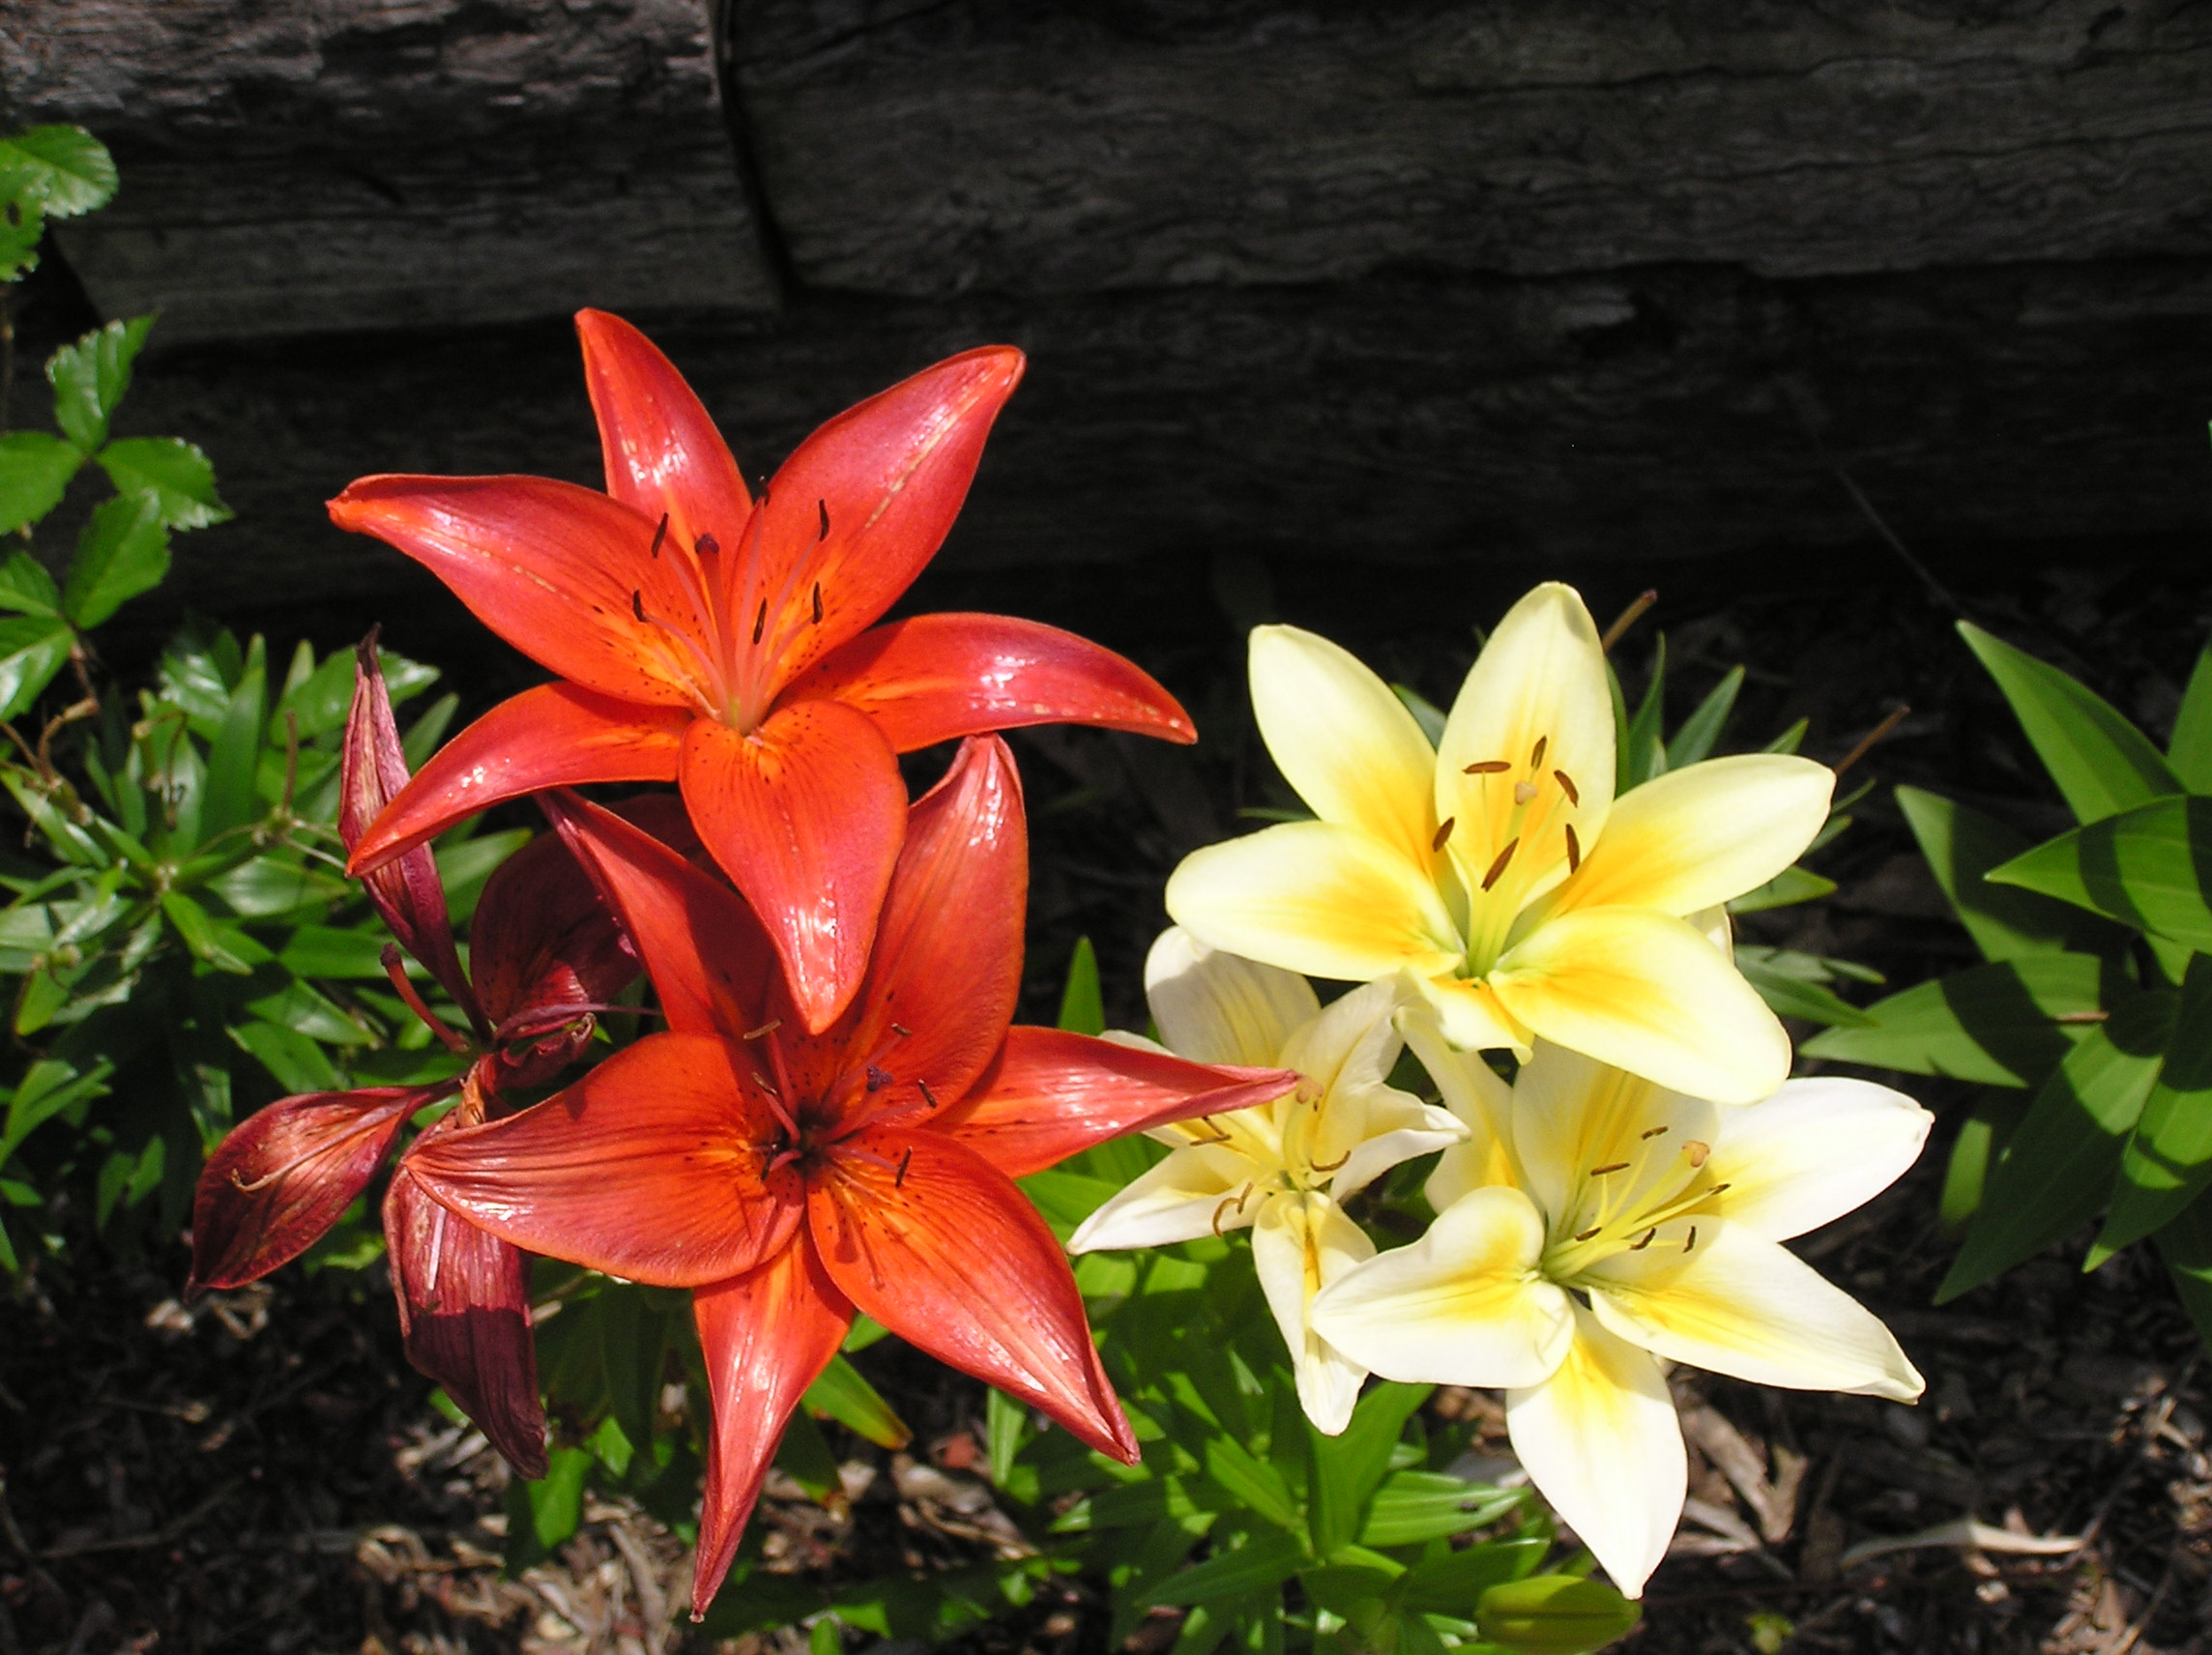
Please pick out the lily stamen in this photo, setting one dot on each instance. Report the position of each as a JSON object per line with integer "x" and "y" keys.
{"x": 1574, "y": 850}
{"x": 768, "y": 1028}
{"x": 1488, "y": 767}
{"x": 1612, "y": 1167}
{"x": 659, "y": 535}
{"x": 822, "y": 507}
{"x": 1536, "y": 756}
{"x": 1498, "y": 868}
{"x": 1567, "y": 786}
{"x": 1443, "y": 833}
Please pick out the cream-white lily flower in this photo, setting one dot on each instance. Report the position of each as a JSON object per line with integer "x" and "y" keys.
{"x": 1497, "y": 870}
{"x": 1593, "y": 1224}
{"x": 1283, "y": 1168}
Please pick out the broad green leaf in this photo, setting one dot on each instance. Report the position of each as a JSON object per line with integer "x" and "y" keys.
{"x": 841, "y": 1392}
{"x": 1793, "y": 985}
{"x": 545, "y": 1514}
{"x": 1252, "y": 1483}
{"x": 26, "y": 587}
{"x": 33, "y": 649}
{"x": 230, "y": 799}
{"x": 175, "y": 471}
{"x": 1267, "y": 1559}
{"x": 331, "y": 952}
{"x": 1786, "y": 889}
{"x": 2185, "y": 1246}
{"x": 1962, "y": 846}
{"x": 35, "y": 469}
{"x": 2168, "y": 1161}
{"x": 91, "y": 376}
{"x": 270, "y": 886}
{"x": 1554, "y": 1614}
{"x": 23, "y": 222}
{"x": 1426, "y": 712}
{"x": 1454, "y": 1584}
{"x": 2142, "y": 867}
{"x": 2189, "y": 752}
{"x": 2004, "y": 1024}
{"x": 2058, "y": 1164}
{"x": 68, "y": 170}
{"x": 2101, "y": 763}
{"x": 297, "y": 1061}
{"x": 1082, "y": 1004}
{"x": 297, "y": 1006}
{"x": 463, "y": 868}
{"x": 122, "y": 552}
{"x": 1695, "y": 740}
{"x": 1412, "y": 1507}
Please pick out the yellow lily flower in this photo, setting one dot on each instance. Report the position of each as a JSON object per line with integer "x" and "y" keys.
{"x": 1282, "y": 1168}
{"x": 1497, "y": 870}
{"x": 1594, "y": 1224}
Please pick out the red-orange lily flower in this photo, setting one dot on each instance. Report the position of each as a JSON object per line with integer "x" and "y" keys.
{"x": 789, "y": 1177}
{"x": 730, "y": 644}
{"x": 547, "y": 953}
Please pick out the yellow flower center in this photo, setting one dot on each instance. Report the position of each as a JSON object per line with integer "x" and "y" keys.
{"x": 1620, "y": 1207}
{"x": 1524, "y": 831}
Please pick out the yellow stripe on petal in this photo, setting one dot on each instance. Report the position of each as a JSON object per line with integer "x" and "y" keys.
{"x": 1471, "y": 1016}
{"x": 1730, "y": 1301}
{"x": 1343, "y": 739}
{"x": 1314, "y": 897}
{"x": 1600, "y": 1441}
{"x": 1301, "y": 1244}
{"x": 1645, "y": 992}
{"x": 1696, "y": 837}
{"x": 1463, "y": 1305}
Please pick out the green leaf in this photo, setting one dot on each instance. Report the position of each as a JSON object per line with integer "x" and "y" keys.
{"x": 329, "y": 952}
{"x": 297, "y": 1061}
{"x": 463, "y": 868}
{"x": 2185, "y": 1246}
{"x": 805, "y": 1454}
{"x": 1554, "y": 1614}
{"x": 200, "y": 934}
{"x": 1412, "y": 1507}
{"x": 299, "y": 1007}
{"x": 423, "y": 735}
{"x": 2142, "y": 867}
{"x": 1695, "y": 740}
{"x": 23, "y": 222}
{"x": 68, "y": 170}
{"x": 1642, "y": 753}
{"x": 1252, "y": 1483}
{"x": 2168, "y": 1161}
{"x": 1005, "y": 1427}
{"x": 271, "y": 886}
{"x": 122, "y": 552}
{"x": 1454, "y": 1582}
{"x": 175, "y": 471}
{"x": 841, "y": 1392}
{"x": 1786, "y": 889}
{"x": 2101, "y": 762}
{"x": 1082, "y": 1004}
{"x": 90, "y": 378}
{"x": 48, "y": 1087}
{"x": 1426, "y": 712}
{"x": 2189, "y": 752}
{"x": 1267, "y": 1559}
{"x": 229, "y": 799}
{"x": 27, "y": 588}
{"x": 545, "y": 1514}
{"x": 32, "y": 651}
{"x": 2003, "y": 1023}
{"x": 1783, "y": 980}
{"x": 2058, "y": 1164}
{"x": 1962, "y": 846}
{"x": 1350, "y": 1467}
{"x": 34, "y": 470}
{"x": 1791, "y": 740}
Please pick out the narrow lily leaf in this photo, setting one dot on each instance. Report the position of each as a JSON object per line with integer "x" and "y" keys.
{"x": 2058, "y": 1165}
{"x": 1006, "y": 1428}
{"x": 1414, "y": 1507}
{"x": 1963, "y": 845}
{"x": 2169, "y": 1161}
{"x": 33, "y": 649}
{"x": 26, "y": 587}
{"x": 1426, "y": 712}
{"x": 1082, "y": 1004}
{"x": 2102, "y": 764}
{"x": 90, "y": 377}
{"x": 1453, "y": 1584}
{"x": 1791, "y": 740}
{"x": 2004, "y": 1024}
{"x": 329, "y": 952}
{"x": 1252, "y": 1483}
{"x": 47, "y": 1087}
{"x": 297, "y": 1061}
{"x": 843, "y": 1393}
{"x": 2139, "y": 867}
{"x": 175, "y": 471}
{"x": 122, "y": 552}
{"x": 2189, "y": 752}
{"x": 65, "y": 169}
{"x": 1793, "y": 985}
{"x": 1349, "y": 1468}
{"x": 1554, "y": 1614}
{"x": 1786, "y": 889}
{"x": 1699, "y": 732}
{"x": 1643, "y": 751}
{"x": 1981, "y": 1139}
{"x": 34, "y": 468}
{"x": 2185, "y": 1246}
{"x": 1264, "y": 1562}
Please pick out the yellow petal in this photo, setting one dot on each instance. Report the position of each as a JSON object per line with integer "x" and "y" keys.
{"x": 1301, "y": 1244}
{"x": 1481, "y": 1101}
{"x": 1700, "y": 836}
{"x": 1731, "y": 1301}
{"x": 1472, "y": 1017}
{"x": 1192, "y": 1193}
{"x": 1313, "y": 897}
{"x": 1215, "y": 1008}
{"x": 1572, "y": 1113}
{"x": 1342, "y": 740}
{"x": 1815, "y": 1150}
{"x": 1600, "y": 1441}
{"x": 1462, "y": 1306}
{"x": 1645, "y": 992}
{"x": 1540, "y": 677}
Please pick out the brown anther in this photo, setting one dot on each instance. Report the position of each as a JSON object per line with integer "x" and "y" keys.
{"x": 1498, "y": 868}
{"x": 760, "y": 620}
{"x": 822, "y": 507}
{"x": 1242, "y": 1196}
{"x": 1488, "y": 767}
{"x": 928, "y": 1096}
{"x": 660, "y": 534}
{"x": 904, "y": 1161}
{"x": 637, "y": 604}
{"x": 1536, "y": 754}
{"x": 1657, "y": 1132}
{"x": 1586, "y": 1234}
{"x": 816, "y": 603}
{"x": 1614, "y": 1167}
{"x": 1443, "y": 833}
{"x": 901, "y": 1029}
{"x": 1219, "y": 1212}
{"x": 706, "y": 547}
{"x": 1717, "y": 1188}
{"x": 1573, "y": 850}
{"x": 1696, "y": 1151}
{"x": 1567, "y": 786}
{"x": 764, "y": 1083}
{"x": 768, "y": 1028}
{"x": 1222, "y": 1133}
{"x": 1331, "y": 1165}
{"x": 1524, "y": 793}
{"x": 1648, "y": 1236}
{"x": 1691, "y": 1240}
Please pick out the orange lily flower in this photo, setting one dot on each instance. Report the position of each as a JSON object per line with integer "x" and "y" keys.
{"x": 789, "y": 1178}
{"x": 731, "y": 645}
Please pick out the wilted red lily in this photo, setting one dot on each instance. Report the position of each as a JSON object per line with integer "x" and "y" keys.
{"x": 788, "y": 1178}
{"x": 730, "y": 644}
{"x": 547, "y": 953}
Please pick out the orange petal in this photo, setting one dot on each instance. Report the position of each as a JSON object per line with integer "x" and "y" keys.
{"x": 284, "y": 1174}
{"x": 554, "y": 736}
{"x": 651, "y": 1166}
{"x": 464, "y": 1312}
{"x": 663, "y": 453}
{"x": 934, "y": 677}
{"x": 937, "y": 1246}
{"x": 764, "y": 1337}
{"x": 805, "y": 816}
{"x": 865, "y": 502}
{"x": 562, "y": 573}
{"x": 1049, "y": 1094}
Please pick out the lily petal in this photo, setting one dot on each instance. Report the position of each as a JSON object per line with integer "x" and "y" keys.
{"x": 1572, "y": 1113}
{"x": 932, "y": 678}
{"x": 1301, "y": 1244}
{"x": 464, "y": 1313}
{"x": 1344, "y": 741}
{"x": 1191, "y": 1194}
{"x": 1815, "y": 1150}
{"x": 663, "y": 453}
{"x": 554, "y": 736}
{"x": 1473, "y": 1016}
{"x": 1695, "y": 837}
{"x": 1049, "y": 1093}
{"x": 806, "y": 815}
{"x": 1478, "y": 1099}
{"x": 649, "y": 1167}
{"x": 865, "y": 503}
{"x": 1600, "y": 1441}
{"x": 1314, "y": 897}
{"x": 1644, "y": 992}
{"x": 925, "y": 1235}
{"x": 766, "y": 1336}
{"x": 1737, "y": 1303}
{"x": 1361, "y": 1125}
{"x": 1217, "y": 1007}
{"x": 1461, "y": 1306}
{"x": 561, "y": 572}
{"x": 287, "y": 1173}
